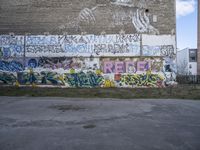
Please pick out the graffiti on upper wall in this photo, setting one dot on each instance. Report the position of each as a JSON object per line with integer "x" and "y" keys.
{"x": 130, "y": 13}
{"x": 44, "y": 40}
{"x": 83, "y": 45}
{"x": 86, "y": 45}
{"x": 103, "y": 44}
{"x": 11, "y": 46}
{"x": 40, "y": 45}
{"x": 163, "y": 50}
{"x": 167, "y": 51}
{"x": 91, "y": 16}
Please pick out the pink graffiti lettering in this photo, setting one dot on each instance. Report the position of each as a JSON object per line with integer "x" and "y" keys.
{"x": 125, "y": 67}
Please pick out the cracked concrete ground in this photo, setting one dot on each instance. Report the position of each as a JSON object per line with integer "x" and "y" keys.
{"x": 98, "y": 124}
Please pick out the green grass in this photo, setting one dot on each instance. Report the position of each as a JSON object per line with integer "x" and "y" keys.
{"x": 180, "y": 92}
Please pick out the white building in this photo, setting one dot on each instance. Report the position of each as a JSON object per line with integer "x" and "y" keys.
{"x": 187, "y": 62}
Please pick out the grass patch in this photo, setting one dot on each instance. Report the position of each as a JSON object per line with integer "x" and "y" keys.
{"x": 180, "y": 92}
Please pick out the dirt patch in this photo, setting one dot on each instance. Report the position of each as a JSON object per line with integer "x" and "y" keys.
{"x": 67, "y": 107}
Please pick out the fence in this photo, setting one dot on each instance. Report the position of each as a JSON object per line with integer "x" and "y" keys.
{"x": 188, "y": 79}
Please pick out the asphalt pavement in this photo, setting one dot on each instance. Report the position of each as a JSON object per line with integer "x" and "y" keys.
{"x": 28, "y": 123}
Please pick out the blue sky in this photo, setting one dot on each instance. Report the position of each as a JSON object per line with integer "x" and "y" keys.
{"x": 186, "y": 23}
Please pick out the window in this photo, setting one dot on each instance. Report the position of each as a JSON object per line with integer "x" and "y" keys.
{"x": 193, "y": 55}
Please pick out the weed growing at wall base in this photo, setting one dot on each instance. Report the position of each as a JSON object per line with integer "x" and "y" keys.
{"x": 180, "y": 92}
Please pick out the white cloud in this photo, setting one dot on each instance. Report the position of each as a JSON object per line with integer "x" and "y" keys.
{"x": 184, "y": 7}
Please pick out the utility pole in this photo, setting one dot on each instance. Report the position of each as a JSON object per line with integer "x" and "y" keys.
{"x": 198, "y": 39}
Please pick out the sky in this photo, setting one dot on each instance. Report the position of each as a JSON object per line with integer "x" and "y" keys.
{"x": 186, "y": 15}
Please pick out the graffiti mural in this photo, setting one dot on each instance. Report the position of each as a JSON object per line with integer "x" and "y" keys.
{"x": 39, "y": 78}
{"x": 163, "y": 50}
{"x": 83, "y": 45}
{"x": 11, "y": 66}
{"x": 88, "y": 44}
{"x": 7, "y": 78}
{"x": 142, "y": 80}
{"x": 124, "y": 12}
{"x": 102, "y": 45}
{"x": 65, "y": 63}
{"x": 170, "y": 71}
{"x": 81, "y": 79}
{"x": 88, "y": 61}
{"x": 134, "y": 72}
{"x": 11, "y": 46}
{"x": 73, "y": 79}
{"x": 41, "y": 45}
{"x": 131, "y": 65}
{"x": 117, "y": 45}
{"x": 167, "y": 51}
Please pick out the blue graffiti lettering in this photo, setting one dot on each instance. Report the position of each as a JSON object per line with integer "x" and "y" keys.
{"x": 89, "y": 79}
{"x": 12, "y": 66}
{"x": 78, "y": 48}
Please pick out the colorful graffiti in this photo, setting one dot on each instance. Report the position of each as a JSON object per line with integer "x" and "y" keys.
{"x": 56, "y": 63}
{"x": 84, "y": 45}
{"x": 88, "y": 60}
{"x": 7, "y": 78}
{"x": 81, "y": 79}
{"x": 11, "y": 66}
{"x": 39, "y": 78}
{"x": 41, "y": 45}
{"x": 11, "y": 46}
{"x": 65, "y": 63}
{"x": 131, "y": 65}
{"x": 142, "y": 80}
{"x": 163, "y": 50}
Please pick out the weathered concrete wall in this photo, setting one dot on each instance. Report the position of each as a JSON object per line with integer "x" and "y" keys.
{"x": 118, "y": 43}
{"x": 91, "y": 16}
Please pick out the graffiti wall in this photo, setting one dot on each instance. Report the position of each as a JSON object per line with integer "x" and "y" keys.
{"x": 110, "y": 60}
{"x": 83, "y": 45}
{"x": 11, "y": 46}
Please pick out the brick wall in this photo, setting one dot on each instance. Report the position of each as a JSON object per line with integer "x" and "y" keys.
{"x": 56, "y": 17}
{"x": 106, "y": 43}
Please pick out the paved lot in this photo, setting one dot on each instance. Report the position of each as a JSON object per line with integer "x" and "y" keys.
{"x": 98, "y": 124}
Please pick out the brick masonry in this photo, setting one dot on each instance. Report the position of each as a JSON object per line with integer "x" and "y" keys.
{"x": 88, "y": 43}
{"x": 56, "y": 17}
